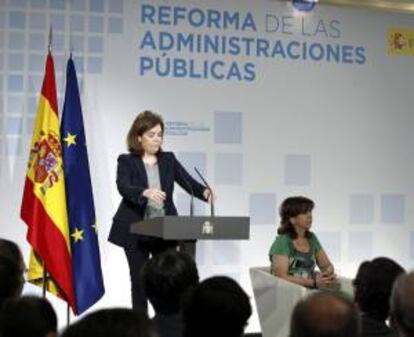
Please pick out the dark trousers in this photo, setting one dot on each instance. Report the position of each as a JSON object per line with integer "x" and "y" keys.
{"x": 189, "y": 247}
{"x": 136, "y": 257}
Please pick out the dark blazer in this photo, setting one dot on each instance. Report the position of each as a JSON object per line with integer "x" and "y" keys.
{"x": 131, "y": 180}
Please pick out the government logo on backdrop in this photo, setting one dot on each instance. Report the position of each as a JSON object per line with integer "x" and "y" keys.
{"x": 400, "y": 41}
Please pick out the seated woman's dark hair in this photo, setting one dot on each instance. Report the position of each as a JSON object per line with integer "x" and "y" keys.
{"x": 291, "y": 207}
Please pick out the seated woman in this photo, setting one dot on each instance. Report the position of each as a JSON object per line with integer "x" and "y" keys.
{"x": 296, "y": 250}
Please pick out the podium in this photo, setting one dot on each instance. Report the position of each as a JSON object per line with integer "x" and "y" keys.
{"x": 172, "y": 227}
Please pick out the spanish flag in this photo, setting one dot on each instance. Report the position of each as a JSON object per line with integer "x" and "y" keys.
{"x": 44, "y": 200}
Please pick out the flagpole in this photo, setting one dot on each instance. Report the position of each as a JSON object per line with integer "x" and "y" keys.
{"x": 45, "y": 277}
{"x": 68, "y": 306}
{"x": 71, "y": 48}
{"x": 49, "y": 47}
{"x": 44, "y": 289}
{"x": 68, "y": 315}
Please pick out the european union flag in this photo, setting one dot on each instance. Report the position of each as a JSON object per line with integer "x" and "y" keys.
{"x": 86, "y": 264}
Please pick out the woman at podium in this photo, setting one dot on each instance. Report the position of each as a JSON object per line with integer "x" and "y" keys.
{"x": 296, "y": 250}
{"x": 145, "y": 180}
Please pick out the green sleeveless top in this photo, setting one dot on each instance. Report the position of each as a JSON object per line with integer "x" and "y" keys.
{"x": 300, "y": 264}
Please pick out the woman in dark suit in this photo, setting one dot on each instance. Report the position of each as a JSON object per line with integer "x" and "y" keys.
{"x": 145, "y": 180}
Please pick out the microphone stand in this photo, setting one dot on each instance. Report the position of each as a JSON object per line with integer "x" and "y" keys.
{"x": 189, "y": 246}
{"x": 192, "y": 203}
{"x": 210, "y": 189}
{"x": 191, "y": 198}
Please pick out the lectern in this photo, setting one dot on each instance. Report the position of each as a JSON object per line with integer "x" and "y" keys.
{"x": 172, "y": 227}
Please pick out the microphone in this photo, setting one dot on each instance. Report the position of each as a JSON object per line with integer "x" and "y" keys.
{"x": 209, "y": 188}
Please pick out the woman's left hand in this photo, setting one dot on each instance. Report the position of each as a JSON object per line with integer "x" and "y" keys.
{"x": 209, "y": 195}
{"x": 326, "y": 281}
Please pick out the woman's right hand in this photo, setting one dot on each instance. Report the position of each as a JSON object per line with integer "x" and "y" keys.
{"x": 155, "y": 195}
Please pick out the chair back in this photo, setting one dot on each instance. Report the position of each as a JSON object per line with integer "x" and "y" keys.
{"x": 276, "y": 298}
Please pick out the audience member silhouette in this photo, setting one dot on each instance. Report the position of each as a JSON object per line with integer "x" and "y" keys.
{"x": 217, "y": 307}
{"x": 10, "y": 250}
{"x": 325, "y": 314}
{"x": 116, "y": 322}
{"x": 402, "y": 305}
{"x": 373, "y": 284}
{"x": 165, "y": 279}
{"x": 11, "y": 270}
{"x": 28, "y": 316}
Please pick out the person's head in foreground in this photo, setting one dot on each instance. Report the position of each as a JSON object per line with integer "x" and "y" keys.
{"x": 11, "y": 270}
{"x": 217, "y": 307}
{"x": 325, "y": 314}
{"x": 373, "y": 284}
{"x": 115, "y": 322}
{"x": 166, "y": 277}
{"x": 28, "y": 316}
{"x": 402, "y": 305}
